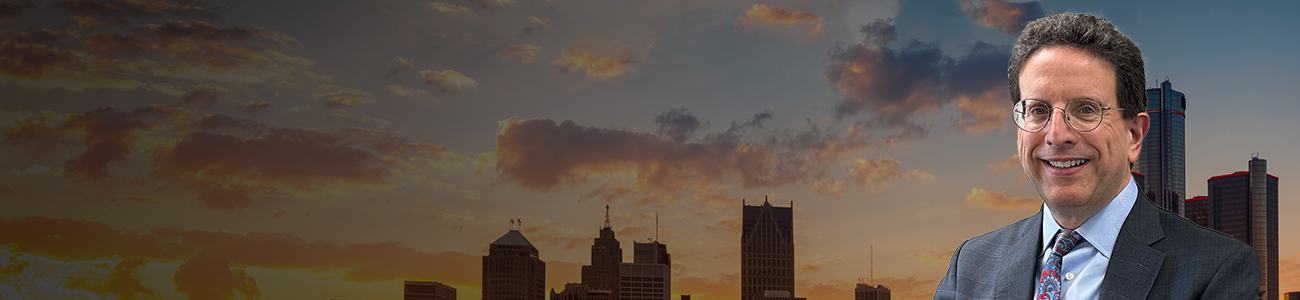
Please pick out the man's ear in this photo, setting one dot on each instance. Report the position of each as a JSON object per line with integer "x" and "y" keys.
{"x": 1137, "y": 130}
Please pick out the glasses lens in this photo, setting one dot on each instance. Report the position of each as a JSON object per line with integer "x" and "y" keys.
{"x": 1031, "y": 115}
{"x": 1085, "y": 114}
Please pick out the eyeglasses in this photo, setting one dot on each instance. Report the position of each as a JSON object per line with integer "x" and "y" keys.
{"x": 1084, "y": 115}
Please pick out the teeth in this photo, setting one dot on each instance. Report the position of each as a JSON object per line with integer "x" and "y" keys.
{"x": 1066, "y": 164}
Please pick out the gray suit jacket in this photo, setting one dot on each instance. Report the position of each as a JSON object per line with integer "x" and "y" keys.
{"x": 1158, "y": 255}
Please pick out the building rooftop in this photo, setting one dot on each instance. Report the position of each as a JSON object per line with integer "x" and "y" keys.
{"x": 513, "y": 238}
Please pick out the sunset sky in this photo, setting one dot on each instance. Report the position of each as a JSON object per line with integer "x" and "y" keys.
{"x": 332, "y": 149}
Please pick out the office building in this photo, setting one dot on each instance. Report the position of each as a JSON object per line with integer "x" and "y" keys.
{"x": 1162, "y": 161}
{"x": 1244, "y": 205}
{"x": 1293, "y": 296}
{"x": 650, "y": 253}
{"x": 579, "y": 291}
{"x": 1197, "y": 209}
{"x": 606, "y": 255}
{"x": 868, "y": 292}
{"x": 645, "y": 281}
{"x": 766, "y": 251}
{"x": 513, "y": 270}
{"x": 427, "y": 290}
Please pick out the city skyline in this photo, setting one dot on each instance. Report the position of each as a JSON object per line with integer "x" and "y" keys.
{"x": 336, "y": 149}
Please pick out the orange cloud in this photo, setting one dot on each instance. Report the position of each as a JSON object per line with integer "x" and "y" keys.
{"x": 1289, "y": 272}
{"x": 338, "y": 97}
{"x": 137, "y": 8}
{"x": 598, "y": 58}
{"x": 406, "y": 91}
{"x": 214, "y": 260}
{"x": 87, "y": 23}
{"x": 869, "y": 173}
{"x": 1006, "y": 17}
{"x": 552, "y": 234}
{"x": 254, "y": 106}
{"x": 985, "y": 112}
{"x": 776, "y": 19}
{"x": 448, "y": 80}
{"x": 538, "y": 23}
{"x": 819, "y": 264}
{"x": 823, "y": 188}
{"x": 934, "y": 257}
{"x": 524, "y": 53}
{"x": 1000, "y": 201}
{"x": 1012, "y": 162}
{"x": 107, "y": 133}
{"x": 450, "y": 8}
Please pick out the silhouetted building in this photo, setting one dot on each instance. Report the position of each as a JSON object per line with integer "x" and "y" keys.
{"x": 1244, "y": 205}
{"x": 686, "y": 297}
{"x": 579, "y": 291}
{"x": 606, "y": 255}
{"x": 650, "y": 253}
{"x": 645, "y": 281}
{"x": 427, "y": 290}
{"x": 512, "y": 270}
{"x": 868, "y": 292}
{"x": 1289, "y": 296}
{"x": 778, "y": 295}
{"x": 766, "y": 251}
{"x": 1197, "y": 209}
{"x": 1163, "y": 160}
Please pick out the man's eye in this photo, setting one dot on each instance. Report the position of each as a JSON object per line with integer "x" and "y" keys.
{"x": 1087, "y": 110}
{"x": 1038, "y": 111}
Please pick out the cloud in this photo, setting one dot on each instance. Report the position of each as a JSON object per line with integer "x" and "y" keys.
{"x": 492, "y": 4}
{"x": 450, "y": 8}
{"x": 541, "y": 154}
{"x": 254, "y": 106}
{"x": 107, "y": 133}
{"x": 1000, "y": 201}
{"x": 127, "y": 8}
{"x": 87, "y": 23}
{"x": 1006, "y": 17}
{"x": 213, "y": 262}
{"x": 1289, "y": 271}
{"x": 597, "y": 57}
{"x": 38, "y": 170}
{"x": 450, "y": 216}
{"x": 895, "y": 85}
{"x": 824, "y": 188}
{"x": 10, "y": 12}
{"x": 934, "y": 257}
{"x": 677, "y": 123}
{"x": 1012, "y": 162}
{"x": 121, "y": 282}
{"x": 728, "y": 224}
{"x": 524, "y": 53}
{"x": 552, "y": 234}
{"x": 777, "y": 19}
{"x": 537, "y": 23}
{"x": 448, "y": 80}
{"x": 338, "y": 97}
{"x": 404, "y": 64}
{"x": 819, "y": 264}
{"x": 869, "y": 174}
{"x": 201, "y": 98}
{"x": 406, "y": 91}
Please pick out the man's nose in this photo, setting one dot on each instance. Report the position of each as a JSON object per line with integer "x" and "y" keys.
{"x": 1058, "y": 130}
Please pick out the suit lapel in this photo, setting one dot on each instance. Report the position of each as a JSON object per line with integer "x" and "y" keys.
{"x": 1018, "y": 275}
{"x": 1134, "y": 264}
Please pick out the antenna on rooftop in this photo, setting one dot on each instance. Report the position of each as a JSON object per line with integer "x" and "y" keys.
{"x": 873, "y": 264}
{"x": 656, "y": 226}
{"x": 607, "y": 216}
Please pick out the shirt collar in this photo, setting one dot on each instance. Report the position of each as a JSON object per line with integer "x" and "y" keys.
{"x": 1101, "y": 229}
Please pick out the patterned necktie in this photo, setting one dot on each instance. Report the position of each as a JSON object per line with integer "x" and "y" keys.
{"x": 1049, "y": 282}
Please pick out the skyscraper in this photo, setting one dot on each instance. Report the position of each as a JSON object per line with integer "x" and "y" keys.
{"x": 1244, "y": 205}
{"x": 1197, "y": 209}
{"x": 766, "y": 250}
{"x": 512, "y": 270}
{"x": 648, "y": 276}
{"x": 602, "y": 273}
{"x": 1162, "y": 161}
{"x": 868, "y": 292}
{"x": 427, "y": 290}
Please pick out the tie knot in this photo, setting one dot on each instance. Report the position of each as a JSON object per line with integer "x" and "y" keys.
{"x": 1066, "y": 240}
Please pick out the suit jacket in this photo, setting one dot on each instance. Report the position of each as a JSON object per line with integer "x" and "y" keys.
{"x": 1158, "y": 255}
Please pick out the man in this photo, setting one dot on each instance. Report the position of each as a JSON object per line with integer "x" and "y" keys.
{"x": 1080, "y": 110}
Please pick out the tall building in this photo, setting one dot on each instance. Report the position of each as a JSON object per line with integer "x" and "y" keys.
{"x": 645, "y": 281}
{"x": 427, "y": 290}
{"x": 1197, "y": 209}
{"x": 650, "y": 253}
{"x": 578, "y": 291}
{"x": 766, "y": 250}
{"x": 1244, "y": 205}
{"x": 606, "y": 255}
{"x": 1293, "y": 296}
{"x": 868, "y": 292}
{"x": 1162, "y": 161}
{"x": 512, "y": 270}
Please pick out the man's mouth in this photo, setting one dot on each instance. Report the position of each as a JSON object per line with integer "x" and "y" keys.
{"x": 1066, "y": 164}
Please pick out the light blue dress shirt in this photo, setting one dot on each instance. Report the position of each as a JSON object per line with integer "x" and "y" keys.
{"x": 1084, "y": 267}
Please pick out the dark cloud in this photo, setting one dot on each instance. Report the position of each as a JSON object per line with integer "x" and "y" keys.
{"x": 894, "y": 85}
{"x": 254, "y": 106}
{"x": 10, "y": 12}
{"x": 677, "y": 123}
{"x": 220, "y": 121}
{"x": 121, "y": 282}
{"x": 542, "y": 154}
{"x": 210, "y": 276}
{"x": 30, "y": 54}
{"x": 201, "y": 98}
{"x": 107, "y": 133}
{"x": 192, "y": 41}
{"x": 139, "y": 8}
{"x": 1004, "y": 16}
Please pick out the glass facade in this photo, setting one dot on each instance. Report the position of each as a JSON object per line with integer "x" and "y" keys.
{"x": 766, "y": 251}
{"x": 1163, "y": 161}
{"x": 1244, "y": 205}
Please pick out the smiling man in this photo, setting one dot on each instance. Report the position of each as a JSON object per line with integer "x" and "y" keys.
{"x": 1080, "y": 106}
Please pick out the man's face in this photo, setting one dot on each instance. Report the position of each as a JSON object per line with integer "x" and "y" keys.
{"x": 1058, "y": 75}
